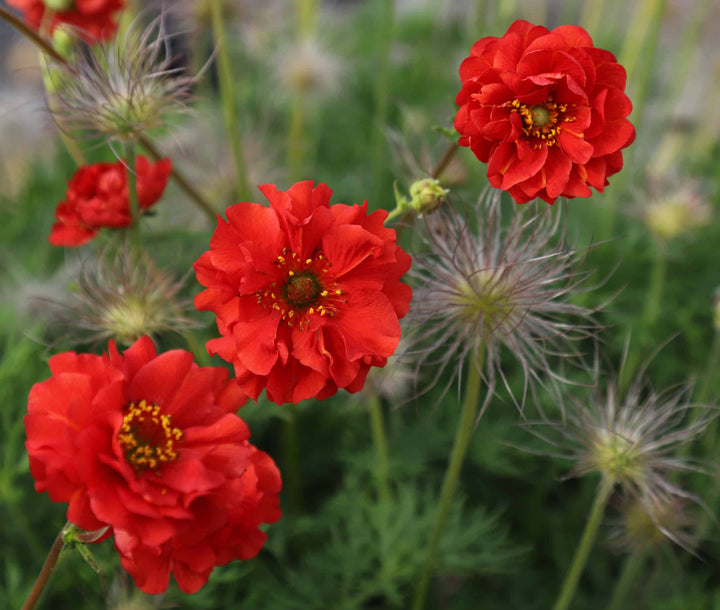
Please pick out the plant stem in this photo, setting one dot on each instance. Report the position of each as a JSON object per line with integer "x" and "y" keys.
{"x": 135, "y": 213}
{"x": 227, "y": 97}
{"x": 291, "y": 458}
{"x": 46, "y": 571}
{"x": 463, "y": 435}
{"x": 182, "y": 181}
{"x": 377, "y": 139}
{"x": 377, "y": 426}
{"x": 591, "y": 17}
{"x": 585, "y": 545}
{"x": 445, "y": 160}
{"x": 650, "y": 316}
{"x": 632, "y": 566}
{"x": 44, "y": 45}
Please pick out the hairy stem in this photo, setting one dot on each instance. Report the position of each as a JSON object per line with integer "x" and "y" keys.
{"x": 46, "y": 571}
{"x": 463, "y": 435}
{"x": 567, "y": 592}
{"x": 181, "y": 181}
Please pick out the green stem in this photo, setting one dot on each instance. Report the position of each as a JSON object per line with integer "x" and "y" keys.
{"x": 632, "y": 567}
{"x": 569, "y": 586}
{"x": 445, "y": 160}
{"x": 135, "y": 212}
{"x": 182, "y": 181}
{"x": 712, "y": 371}
{"x": 463, "y": 435}
{"x": 46, "y": 571}
{"x": 645, "y": 19}
{"x": 292, "y": 478}
{"x": 227, "y": 96}
{"x": 377, "y": 140}
{"x": 377, "y": 426}
{"x": 650, "y": 316}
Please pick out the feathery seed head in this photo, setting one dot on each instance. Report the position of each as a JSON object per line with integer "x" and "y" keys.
{"x": 503, "y": 286}
{"x": 121, "y": 89}
{"x": 124, "y": 297}
{"x": 631, "y": 440}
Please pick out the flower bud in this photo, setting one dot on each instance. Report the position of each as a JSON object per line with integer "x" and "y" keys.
{"x": 427, "y": 195}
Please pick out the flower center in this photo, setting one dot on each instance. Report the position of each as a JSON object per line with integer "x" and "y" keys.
{"x": 541, "y": 122}
{"x": 485, "y": 298}
{"x": 304, "y": 287}
{"x": 147, "y": 437}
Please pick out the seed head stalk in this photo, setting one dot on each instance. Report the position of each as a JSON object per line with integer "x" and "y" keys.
{"x": 567, "y": 592}
{"x": 134, "y": 228}
{"x": 227, "y": 96}
{"x": 463, "y": 435}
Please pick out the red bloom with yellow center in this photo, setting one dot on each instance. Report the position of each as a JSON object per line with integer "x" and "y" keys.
{"x": 307, "y": 295}
{"x": 545, "y": 110}
{"x": 150, "y": 446}
{"x": 97, "y": 197}
{"x": 96, "y": 19}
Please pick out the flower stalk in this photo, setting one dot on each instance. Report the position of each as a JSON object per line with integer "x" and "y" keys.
{"x": 567, "y": 592}
{"x": 631, "y": 570}
{"x": 377, "y": 425}
{"x": 227, "y": 96}
{"x": 463, "y": 435}
{"x": 46, "y": 570}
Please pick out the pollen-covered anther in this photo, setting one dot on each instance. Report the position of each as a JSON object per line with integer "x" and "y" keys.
{"x": 541, "y": 121}
{"x": 147, "y": 436}
{"x": 304, "y": 289}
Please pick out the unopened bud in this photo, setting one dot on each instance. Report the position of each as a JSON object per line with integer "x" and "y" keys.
{"x": 427, "y": 195}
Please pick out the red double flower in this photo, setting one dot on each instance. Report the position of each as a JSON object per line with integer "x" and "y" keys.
{"x": 546, "y": 110}
{"x": 150, "y": 446}
{"x": 97, "y": 196}
{"x": 94, "y": 18}
{"x": 307, "y": 295}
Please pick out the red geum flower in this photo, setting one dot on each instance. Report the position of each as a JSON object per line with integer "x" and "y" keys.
{"x": 150, "y": 445}
{"x": 545, "y": 110}
{"x": 307, "y": 295}
{"x": 97, "y": 197}
{"x": 94, "y": 18}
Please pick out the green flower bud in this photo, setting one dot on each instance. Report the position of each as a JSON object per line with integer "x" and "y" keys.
{"x": 427, "y": 195}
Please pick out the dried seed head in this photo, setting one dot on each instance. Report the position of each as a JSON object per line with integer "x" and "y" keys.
{"x": 308, "y": 69}
{"x": 631, "y": 440}
{"x": 504, "y": 286}
{"x": 122, "y": 89}
{"x": 653, "y": 521}
{"x": 124, "y": 297}
{"x": 671, "y": 212}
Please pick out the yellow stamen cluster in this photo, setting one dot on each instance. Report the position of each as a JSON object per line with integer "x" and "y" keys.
{"x": 541, "y": 121}
{"x": 305, "y": 288}
{"x": 147, "y": 437}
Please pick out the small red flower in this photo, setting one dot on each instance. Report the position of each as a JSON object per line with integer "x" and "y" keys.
{"x": 545, "y": 110}
{"x": 307, "y": 295}
{"x": 94, "y": 18}
{"x": 150, "y": 446}
{"x": 97, "y": 197}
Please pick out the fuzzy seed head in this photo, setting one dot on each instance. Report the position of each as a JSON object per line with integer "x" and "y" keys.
{"x": 500, "y": 286}
{"x": 632, "y": 440}
{"x": 122, "y": 89}
{"x": 676, "y": 212}
{"x": 124, "y": 297}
